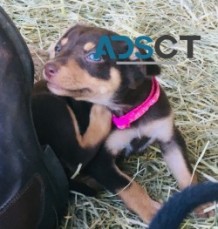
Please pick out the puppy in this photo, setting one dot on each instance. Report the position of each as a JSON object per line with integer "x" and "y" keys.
{"x": 141, "y": 111}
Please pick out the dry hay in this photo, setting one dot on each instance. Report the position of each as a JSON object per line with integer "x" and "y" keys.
{"x": 192, "y": 86}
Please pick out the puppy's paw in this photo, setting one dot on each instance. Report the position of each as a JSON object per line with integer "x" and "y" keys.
{"x": 151, "y": 210}
{"x": 205, "y": 210}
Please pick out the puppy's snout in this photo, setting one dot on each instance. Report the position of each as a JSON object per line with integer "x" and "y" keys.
{"x": 50, "y": 70}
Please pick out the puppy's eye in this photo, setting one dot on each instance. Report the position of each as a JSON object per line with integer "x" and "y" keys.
{"x": 93, "y": 58}
{"x": 57, "y": 48}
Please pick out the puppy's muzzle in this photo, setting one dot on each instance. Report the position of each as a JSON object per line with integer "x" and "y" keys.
{"x": 50, "y": 70}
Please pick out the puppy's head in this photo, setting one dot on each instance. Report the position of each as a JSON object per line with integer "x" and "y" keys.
{"x": 76, "y": 72}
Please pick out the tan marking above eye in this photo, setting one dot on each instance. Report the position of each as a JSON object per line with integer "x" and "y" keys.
{"x": 133, "y": 55}
{"x": 64, "y": 41}
{"x": 88, "y": 46}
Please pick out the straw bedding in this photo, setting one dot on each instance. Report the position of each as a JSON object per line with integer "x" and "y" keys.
{"x": 192, "y": 86}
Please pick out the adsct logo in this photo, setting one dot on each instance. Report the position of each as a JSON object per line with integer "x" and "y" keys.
{"x": 105, "y": 47}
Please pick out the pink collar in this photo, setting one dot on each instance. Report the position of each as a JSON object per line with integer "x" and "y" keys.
{"x": 124, "y": 121}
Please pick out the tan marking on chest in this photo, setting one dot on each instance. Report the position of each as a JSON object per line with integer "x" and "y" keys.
{"x": 159, "y": 129}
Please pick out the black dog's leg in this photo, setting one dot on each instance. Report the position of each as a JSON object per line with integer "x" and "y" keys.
{"x": 105, "y": 171}
{"x": 174, "y": 153}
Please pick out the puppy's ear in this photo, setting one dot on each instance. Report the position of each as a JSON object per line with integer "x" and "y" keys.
{"x": 146, "y": 69}
{"x": 150, "y": 69}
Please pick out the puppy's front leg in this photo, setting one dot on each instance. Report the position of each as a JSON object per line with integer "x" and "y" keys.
{"x": 137, "y": 199}
{"x": 98, "y": 129}
{"x": 174, "y": 153}
{"x": 104, "y": 170}
{"x": 99, "y": 125}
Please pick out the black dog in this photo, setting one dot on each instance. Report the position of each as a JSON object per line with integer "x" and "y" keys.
{"x": 73, "y": 129}
{"x": 76, "y": 75}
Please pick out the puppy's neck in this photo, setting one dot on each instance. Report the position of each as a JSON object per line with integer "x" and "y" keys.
{"x": 127, "y": 98}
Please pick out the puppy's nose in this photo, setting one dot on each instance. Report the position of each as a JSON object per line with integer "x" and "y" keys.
{"x": 50, "y": 70}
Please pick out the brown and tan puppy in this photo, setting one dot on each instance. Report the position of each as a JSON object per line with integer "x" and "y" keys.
{"x": 74, "y": 73}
